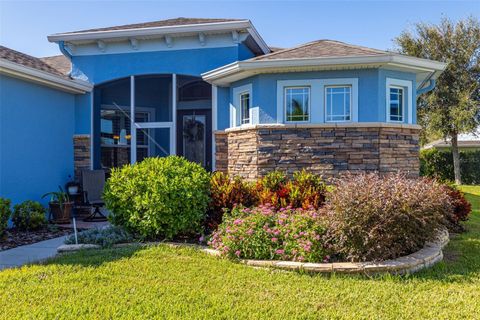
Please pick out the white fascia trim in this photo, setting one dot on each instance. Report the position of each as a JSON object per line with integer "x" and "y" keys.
{"x": 242, "y": 69}
{"x": 139, "y": 32}
{"x": 45, "y": 78}
{"x": 391, "y": 82}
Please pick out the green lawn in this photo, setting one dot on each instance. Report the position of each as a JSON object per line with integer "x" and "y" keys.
{"x": 161, "y": 282}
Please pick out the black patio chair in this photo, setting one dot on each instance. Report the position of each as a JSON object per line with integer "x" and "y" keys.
{"x": 93, "y": 182}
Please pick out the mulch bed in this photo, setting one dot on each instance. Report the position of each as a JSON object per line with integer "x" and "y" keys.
{"x": 15, "y": 238}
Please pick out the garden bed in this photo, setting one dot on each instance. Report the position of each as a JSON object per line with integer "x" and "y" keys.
{"x": 429, "y": 255}
{"x": 15, "y": 238}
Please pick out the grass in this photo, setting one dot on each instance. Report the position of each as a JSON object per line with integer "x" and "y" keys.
{"x": 166, "y": 283}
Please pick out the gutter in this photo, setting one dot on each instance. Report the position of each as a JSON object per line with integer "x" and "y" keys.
{"x": 45, "y": 78}
{"x": 431, "y": 85}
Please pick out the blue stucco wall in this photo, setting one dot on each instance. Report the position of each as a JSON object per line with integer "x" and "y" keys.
{"x": 106, "y": 67}
{"x": 223, "y": 108}
{"x": 371, "y": 91}
{"x": 36, "y": 139}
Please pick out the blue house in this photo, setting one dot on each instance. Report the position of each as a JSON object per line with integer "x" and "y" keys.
{"x": 210, "y": 90}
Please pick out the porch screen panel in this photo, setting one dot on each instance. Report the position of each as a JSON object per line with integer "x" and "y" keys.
{"x": 153, "y": 95}
{"x": 115, "y": 131}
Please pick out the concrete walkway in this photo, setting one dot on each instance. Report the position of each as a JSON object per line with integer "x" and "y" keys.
{"x": 19, "y": 256}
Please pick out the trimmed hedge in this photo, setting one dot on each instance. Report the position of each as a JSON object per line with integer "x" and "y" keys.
{"x": 158, "y": 197}
{"x": 439, "y": 164}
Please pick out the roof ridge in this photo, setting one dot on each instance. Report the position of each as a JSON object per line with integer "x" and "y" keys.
{"x": 288, "y": 49}
{"x": 357, "y": 46}
{"x": 141, "y": 25}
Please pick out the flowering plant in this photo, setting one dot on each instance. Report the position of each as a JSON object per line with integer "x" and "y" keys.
{"x": 265, "y": 233}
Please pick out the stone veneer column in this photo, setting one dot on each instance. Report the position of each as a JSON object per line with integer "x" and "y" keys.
{"x": 327, "y": 149}
{"x": 81, "y": 154}
{"x": 221, "y": 151}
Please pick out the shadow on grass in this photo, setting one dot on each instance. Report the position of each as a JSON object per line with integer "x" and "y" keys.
{"x": 96, "y": 257}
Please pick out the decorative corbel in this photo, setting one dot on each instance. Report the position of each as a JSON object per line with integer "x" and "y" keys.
{"x": 134, "y": 43}
{"x": 169, "y": 41}
{"x": 101, "y": 45}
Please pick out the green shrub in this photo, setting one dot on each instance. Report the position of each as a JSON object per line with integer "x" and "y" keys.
{"x": 29, "y": 215}
{"x": 5, "y": 213}
{"x": 105, "y": 237}
{"x": 439, "y": 164}
{"x": 268, "y": 234}
{"x": 376, "y": 218}
{"x": 158, "y": 197}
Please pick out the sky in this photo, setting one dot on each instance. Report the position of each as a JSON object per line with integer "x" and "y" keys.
{"x": 24, "y": 25}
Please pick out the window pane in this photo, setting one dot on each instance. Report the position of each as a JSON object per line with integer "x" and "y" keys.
{"x": 338, "y": 103}
{"x": 297, "y": 103}
{"x": 245, "y": 107}
{"x": 396, "y": 104}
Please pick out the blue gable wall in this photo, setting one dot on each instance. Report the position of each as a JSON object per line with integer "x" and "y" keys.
{"x": 106, "y": 67}
{"x": 101, "y": 68}
{"x": 36, "y": 133}
{"x": 371, "y": 91}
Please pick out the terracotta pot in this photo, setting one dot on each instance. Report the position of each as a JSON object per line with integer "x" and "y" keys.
{"x": 59, "y": 215}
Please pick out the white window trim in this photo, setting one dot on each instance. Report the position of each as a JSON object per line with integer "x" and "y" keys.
{"x": 235, "y": 112}
{"x": 325, "y": 101}
{"x": 309, "y": 103}
{"x": 241, "y": 94}
{"x": 407, "y": 99}
{"x": 389, "y": 115}
{"x": 317, "y": 97}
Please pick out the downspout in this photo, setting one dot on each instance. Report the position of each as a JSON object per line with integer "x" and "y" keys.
{"x": 64, "y": 51}
{"x": 430, "y": 86}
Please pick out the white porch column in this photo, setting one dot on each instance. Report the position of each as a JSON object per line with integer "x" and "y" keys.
{"x": 133, "y": 128}
{"x": 214, "y": 122}
{"x": 173, "y": 130}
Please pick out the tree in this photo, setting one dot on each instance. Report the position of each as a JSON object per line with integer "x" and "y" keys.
{"x": 453, "y": 107}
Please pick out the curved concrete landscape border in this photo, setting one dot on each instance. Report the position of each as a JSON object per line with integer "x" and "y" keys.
{"x": 430, "y": 254}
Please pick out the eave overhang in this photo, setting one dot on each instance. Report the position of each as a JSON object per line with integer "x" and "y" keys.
{"x": 45, "y": 78}
{"x": 180, "y": 30}
{"x": 239, "y": 70}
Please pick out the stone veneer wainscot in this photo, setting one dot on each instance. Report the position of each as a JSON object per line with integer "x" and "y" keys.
{"x": 81, "y": 154}
{"x": 327, "y": 149}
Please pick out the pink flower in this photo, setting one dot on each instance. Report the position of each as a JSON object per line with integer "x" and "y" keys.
{"x": 201, "y": 239}
{"x": 280, "y": 251}
{"x": 237, "y": 253}
{"x": 249, "y": 232}
{"x": 238, "y": 221}
{"x": 274, "y": 239}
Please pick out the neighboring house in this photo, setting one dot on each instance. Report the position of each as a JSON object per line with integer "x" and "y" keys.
{"x": 466, "y": 142}
{"x": 210, "y": 90}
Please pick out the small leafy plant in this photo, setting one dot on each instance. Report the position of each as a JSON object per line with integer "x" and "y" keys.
{"x": 5, "y": 213}
{"x": 29, "y": 215}
{"x": 105, "y": 237}
{"x": 225, "y": 194}
{"x": 265, "y": 233}
{"x": 461, "y": 208}
{"x": 59, "y": 197}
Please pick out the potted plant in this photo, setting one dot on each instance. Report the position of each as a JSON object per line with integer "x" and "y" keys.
{"x": 60, "y": 206}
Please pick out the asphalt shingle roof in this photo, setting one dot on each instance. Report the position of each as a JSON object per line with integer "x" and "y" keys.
{"x": 28, "y": 61}
{"x": 60, "y": 63}
{"x": 161, "y": 23}
{"x": 319, "y": 49}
